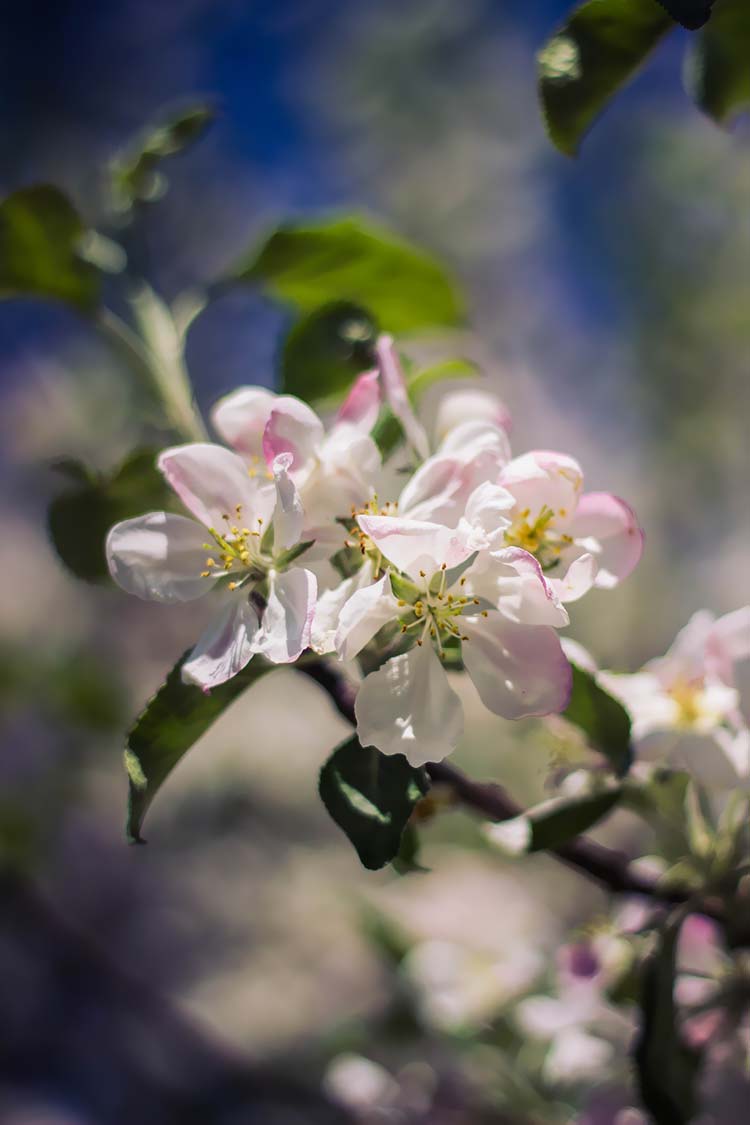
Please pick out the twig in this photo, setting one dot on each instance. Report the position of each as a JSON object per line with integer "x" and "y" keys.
{"x": 609, "y": 868}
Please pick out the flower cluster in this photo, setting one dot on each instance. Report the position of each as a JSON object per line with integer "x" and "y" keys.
{"x": 471, "y": 565}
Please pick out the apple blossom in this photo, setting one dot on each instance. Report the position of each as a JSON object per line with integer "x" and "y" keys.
{"x": 253, "y": 526}
{"x": 691, "y": 690}
{"x": 332, "y": 470}
{"x": 457, "y": 588}
{"x": 470, "y": 404}
{"x": 579, "y": 539}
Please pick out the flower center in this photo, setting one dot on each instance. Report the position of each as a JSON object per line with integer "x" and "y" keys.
{"x": 236, "y": 548}
{"x": 539, "y": 536}
{"x": 436, "y": 611}
{"x": 687, "y": 695}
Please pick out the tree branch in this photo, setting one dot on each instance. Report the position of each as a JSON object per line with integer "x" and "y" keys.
{"x": 609, "y": 868}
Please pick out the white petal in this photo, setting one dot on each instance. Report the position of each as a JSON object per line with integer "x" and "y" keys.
{"x": 515, "y": 583}
{"x": 289, "y": 515}
{"x": 394, "y": 389}
{"x": 518, "y": 670}
{"x": 578, "y": 580}
{"x": 735, "y": 744}
{"x": 542, "y": 478}
{"x": 576, "y": 1056}
{"x": 488, "y": 507}
{"x": 225, "y": 647}
{"x": 367, "y": 611}
{"x": 408, "y": 707}
{"x": 470, "y": 404}
{"x": 240, "y": 419}
{"x": 329, "y": 606}
{"x": 293, "y": 427}
{"x": 414, "y": 545}
{"x": 159, "y": 557}
{"x": 287, "y": 620}
{"x": 651, "y": 708}
{"x": 480, "y": 440}
{"x": 211, "y": 481}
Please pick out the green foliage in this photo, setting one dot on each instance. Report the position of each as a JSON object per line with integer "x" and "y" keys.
{"x": 667, "y": 1069}
{"x": 354, "y": 260}
{"x": 595, "y": 53}
{"x": 371, "y": 797}
{"x": 717, "y": 71}
{"x": 690, "y": 13}
{"x": 325, "y": 350}
{"x": 169, "y": 725}
{"x": 602, "y": 718}
{"x": 554, "y": 823}
{"x": 41, "y": 236}
{"x": 438, "y": 372}
{"x": 79, "y": 519}
{"x": 135, "y": 173}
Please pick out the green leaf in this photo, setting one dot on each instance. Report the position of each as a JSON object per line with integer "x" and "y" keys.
{"x": 325, "y": 351}
{"x": 667, "y": 1069}
{"x": 40, "y": 237}
{"x": 371, "y": 797}
{"x": 690, "y": 13}
{"x": 387, "y": 433}
{"x": 602, "y": 718}
{"x": 79, "y": 519}
{"x": 717, "y": 67}
{"x": 286, "y": 558}
{"x": 595, "y": 53}
{"x": 438, "y": 373}
{"x": 169, "y": 725}
{"x": 661, "y": 802}
{"x": 134, "y": 172}
{"x": 553, "y": 823}
{"x": 407, "y": 860}
{"x": 354, "y": 260}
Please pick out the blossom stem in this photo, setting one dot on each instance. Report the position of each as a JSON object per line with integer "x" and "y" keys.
{"x": 609, "y": 868}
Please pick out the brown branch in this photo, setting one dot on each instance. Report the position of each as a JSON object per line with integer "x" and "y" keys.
{"x": 609, "y": 868}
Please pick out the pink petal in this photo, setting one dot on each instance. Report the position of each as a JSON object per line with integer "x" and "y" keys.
{"x": 287, "y": 621}
{"x": 515, "y": 583}
{"x": 408, "y": 707}
{"x": 518, "y": 670}
{"x": 613, "y": 523}
{"x": 414, "y": 545}
{"x": 240, "y": 419}
{"x": 293, "y": 427}
{"x": 225, "y": 647}
{"x": 361, "y": 406}
{"x": 396, "y": 395}
{"x": 159, "y": 557}
{"x": 211, "y": 481}
{"x": 545, "y": 479}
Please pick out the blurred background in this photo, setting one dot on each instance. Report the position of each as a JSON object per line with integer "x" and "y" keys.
{"x": 223, "y": 973}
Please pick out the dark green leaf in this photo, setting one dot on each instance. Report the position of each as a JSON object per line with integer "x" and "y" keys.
{"x": 717, "y": 70}
{"x": 371, "y": 796}
{"x": 354, "y": 260}
{"x": 169, "y": 725}
{"x": 602, "y": 718}
{"x": 325, "y": 351}
{"x": 286, "y": 558}
{"x": 135, "y": 172}
{"x": 40, "y": 237}
{"x": 590, "y": 58}
{"x": 690, "y": 13}
{"x": 79, "y": 519}
{"x": 553, "y": 823}
{"x": 661, "y": 802}
{"x": 667, "y": 1069}
{"x": 387, "y": 433}
{"x": 407, "y": 860}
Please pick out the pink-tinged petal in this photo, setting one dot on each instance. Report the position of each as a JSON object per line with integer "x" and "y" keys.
{"x": 518, "y": 670}
{"x": 366, "y": 612}
{"x": 361, "y": 406}
{"x": 478, "y": 442}
{"x": 159, "y": 557}
{"x": 288, "y": 617}
{"x": 225, "y": 648}
{"x": 470, "y": 404}
{"x": 613, "y": 523}
{"x": 240, "y": 419}
{"x": 211, "y": 481}
{"x": 513, "y": 581}
{"x": 289, "y": 515}
{"x": 545, "y": 479}
{"x": 396, "y": 395}
{"x": 579, "y": 578}
{"x": 735, "y": 744}
{"x": 579, "y": 655}
{"x": 651, "y": 708}
{"x": 293, "y": 427}
{"x": 414, "y": 545}
{"x": 488, "y": 509}
{"x": 408, "y": 707}
{"x": 437, "y": 491}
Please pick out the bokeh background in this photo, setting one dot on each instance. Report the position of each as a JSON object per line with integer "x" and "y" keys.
{"x": 214, "y": 975}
